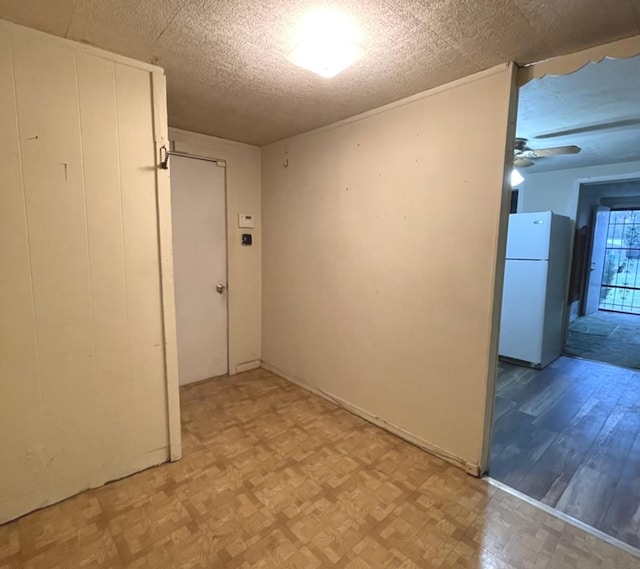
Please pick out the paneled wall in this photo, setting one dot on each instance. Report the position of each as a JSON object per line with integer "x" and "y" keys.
{"x": 83, "y": 390}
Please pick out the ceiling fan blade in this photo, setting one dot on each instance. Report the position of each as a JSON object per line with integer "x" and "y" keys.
{"x": 592, "y": 128}
{"x": 522, "y": 162}
{"x": 556, "y": 151}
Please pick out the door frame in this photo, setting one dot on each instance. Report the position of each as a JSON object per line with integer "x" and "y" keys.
{"x": 588, "y": 276}
{"x": 500, "y": 251}
{"x": 220, "y": 163}
{"x": 167, "y": 288}
{"x": 578, "y": 188}
{"x": 561, "y": 65}
{"x": 165, "y": 246}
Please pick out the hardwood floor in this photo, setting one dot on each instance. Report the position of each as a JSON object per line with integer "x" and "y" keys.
{"x": 273, "y": 476}
{"x": 569, "y": 436}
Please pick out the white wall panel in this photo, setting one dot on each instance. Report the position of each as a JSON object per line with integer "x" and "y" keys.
{"x": 101, "y": 160}
{"x": 21, "y": 473}
{"x": 48, "y": 121}
{"x": 83, "y": 387}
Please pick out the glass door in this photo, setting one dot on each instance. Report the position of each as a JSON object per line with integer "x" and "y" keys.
{"x": 620, "y": 289}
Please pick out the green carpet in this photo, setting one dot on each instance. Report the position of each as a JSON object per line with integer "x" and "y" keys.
{"x": 593, "y": 327}
{"x": 608, "y": 337}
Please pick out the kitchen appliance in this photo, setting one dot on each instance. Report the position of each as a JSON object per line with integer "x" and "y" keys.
{"x": 534, "y": 297}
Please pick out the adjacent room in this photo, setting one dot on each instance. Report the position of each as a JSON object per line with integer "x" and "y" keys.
{"x": 567, "y": 429}
{"x": 253, "y": 257}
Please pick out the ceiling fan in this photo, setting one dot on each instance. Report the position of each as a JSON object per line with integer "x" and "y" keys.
{"x": 525, "y": 156}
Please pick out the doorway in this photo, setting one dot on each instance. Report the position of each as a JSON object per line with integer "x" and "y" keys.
{"x": 568, "y": 435}
{"x": 198, "y": 207}
{"x": 605, "y": 321}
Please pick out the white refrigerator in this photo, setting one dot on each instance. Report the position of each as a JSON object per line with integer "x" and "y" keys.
{"x": 534, "y": 297}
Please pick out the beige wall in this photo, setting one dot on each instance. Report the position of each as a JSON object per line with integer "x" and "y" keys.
{"x": 83, "y": 395}
{"x": 243, "y": 196}
{"x": 381, "y": 239}
{"x": 558, "y": 191}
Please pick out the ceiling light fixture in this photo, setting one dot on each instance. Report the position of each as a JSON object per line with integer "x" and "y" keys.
{"x": 516, "y": 178}
{"x": 327, "y": 42}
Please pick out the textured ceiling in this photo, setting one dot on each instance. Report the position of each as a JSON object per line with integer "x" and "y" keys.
{"x": 226, "y": 63}
{"x": 596, "y": 108}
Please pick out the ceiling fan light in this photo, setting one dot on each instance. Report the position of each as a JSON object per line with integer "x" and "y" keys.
{"x": 516, "y": 178}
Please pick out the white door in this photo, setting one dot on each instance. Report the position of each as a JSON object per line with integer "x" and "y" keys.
{"x": 598, "y": 247}
{"x": 200, "y": 267}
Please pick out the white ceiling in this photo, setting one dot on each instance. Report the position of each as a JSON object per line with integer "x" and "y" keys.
{"x": 226, "y": 63}
{"x": 596, "y": 108}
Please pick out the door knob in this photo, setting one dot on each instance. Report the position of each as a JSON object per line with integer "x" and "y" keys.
{"x": 220, "y": 288}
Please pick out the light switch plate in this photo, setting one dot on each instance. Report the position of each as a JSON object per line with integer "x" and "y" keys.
{"x": 246, "y": 221}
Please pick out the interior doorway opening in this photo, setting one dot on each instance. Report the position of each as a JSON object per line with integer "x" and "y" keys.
{"x": 604, "y": 317}
{"x": 567, "y": 435}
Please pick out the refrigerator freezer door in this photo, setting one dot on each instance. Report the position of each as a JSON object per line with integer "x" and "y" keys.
{"x": 528, "y": 235}
{"x": 523, "y": 310}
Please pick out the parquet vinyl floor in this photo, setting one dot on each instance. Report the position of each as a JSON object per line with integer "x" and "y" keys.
{"x": 274, "y": 476}
{"x": 569, "y": 436}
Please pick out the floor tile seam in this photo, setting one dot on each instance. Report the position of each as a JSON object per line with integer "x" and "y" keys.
{"x": 594, "y": 532}
{"x": 602, "y": 522}
{"x": 589, "y": 396}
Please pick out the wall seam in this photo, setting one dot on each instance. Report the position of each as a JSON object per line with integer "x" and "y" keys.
{"x": 88, "y": 257}
{"x": 122, "y": 241}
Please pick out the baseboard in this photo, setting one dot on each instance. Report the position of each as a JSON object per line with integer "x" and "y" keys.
{"x": 469, "y": 468}
{"x": 248, "y": 366}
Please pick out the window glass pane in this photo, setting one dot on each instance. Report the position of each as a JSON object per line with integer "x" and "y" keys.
{"x": 621, "y": 274}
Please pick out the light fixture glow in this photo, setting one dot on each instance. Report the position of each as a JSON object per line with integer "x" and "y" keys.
{"x": 326, "y": 43}
{"x": 516, "y": 178}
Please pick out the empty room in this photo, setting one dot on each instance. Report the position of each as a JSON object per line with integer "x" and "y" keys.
{"x": 253, "y": 257}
